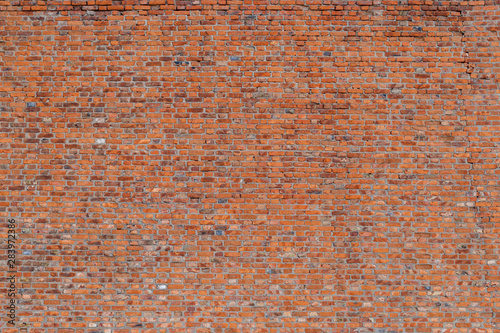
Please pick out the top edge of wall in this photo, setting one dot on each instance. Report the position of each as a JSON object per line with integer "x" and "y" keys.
{"x": 148, "y": 5}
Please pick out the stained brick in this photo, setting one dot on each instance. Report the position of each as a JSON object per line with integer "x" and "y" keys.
{"x": 251, "y": 166}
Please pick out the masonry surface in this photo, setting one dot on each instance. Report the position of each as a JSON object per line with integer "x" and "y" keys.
{"x": 276, "y": 166}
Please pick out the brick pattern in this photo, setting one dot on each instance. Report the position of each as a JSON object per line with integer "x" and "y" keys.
{"x": 252, "y": 166}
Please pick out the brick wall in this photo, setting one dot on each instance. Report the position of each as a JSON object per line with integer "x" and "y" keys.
{"x": 251, "y": 166}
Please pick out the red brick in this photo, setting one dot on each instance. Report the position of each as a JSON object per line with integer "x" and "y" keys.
{"x": 251, "y": 166}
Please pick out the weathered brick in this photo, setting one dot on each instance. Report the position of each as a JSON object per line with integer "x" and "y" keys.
{"x": 251, "y": 166}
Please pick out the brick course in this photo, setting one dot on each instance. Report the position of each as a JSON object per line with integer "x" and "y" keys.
{"x": 246, "y": 166}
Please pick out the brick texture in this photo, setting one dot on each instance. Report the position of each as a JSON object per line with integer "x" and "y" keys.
{"x": 243, "y": 166}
